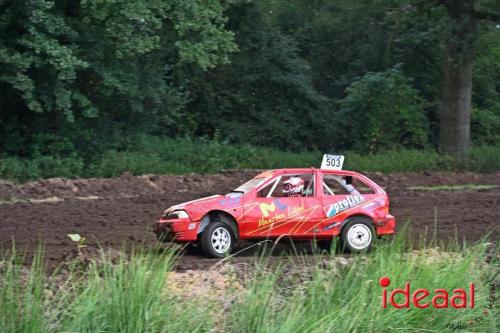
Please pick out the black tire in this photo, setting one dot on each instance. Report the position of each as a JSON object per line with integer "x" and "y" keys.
{"x": 193, "y": 248}
{"x": 217, "y": 240}
{"x": 358, "y": 235}
{"x": 324, "y": 245}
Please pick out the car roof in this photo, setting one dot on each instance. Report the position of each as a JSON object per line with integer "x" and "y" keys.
{"x": 274, "y": 172}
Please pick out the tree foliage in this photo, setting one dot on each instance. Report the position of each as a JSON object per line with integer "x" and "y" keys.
{"x": 78, "y": 77}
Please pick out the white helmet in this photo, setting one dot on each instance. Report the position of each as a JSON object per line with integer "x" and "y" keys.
{"x": 293, "y": 186}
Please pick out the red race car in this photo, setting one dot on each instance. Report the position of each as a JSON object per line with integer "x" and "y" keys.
{"x": 303, "y": 204}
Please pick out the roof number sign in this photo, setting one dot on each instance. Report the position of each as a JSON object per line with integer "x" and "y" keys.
{"x": 332, "y": 162}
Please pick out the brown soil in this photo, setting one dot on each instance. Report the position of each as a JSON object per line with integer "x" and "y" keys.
{"x": 111, "y": 212}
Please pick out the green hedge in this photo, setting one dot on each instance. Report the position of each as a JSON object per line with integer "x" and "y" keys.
{"x": 165, "y": 155}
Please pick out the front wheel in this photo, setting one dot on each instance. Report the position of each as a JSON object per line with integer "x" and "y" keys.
{"x": 217, "y": 240}
{"x": 358, "y": 235}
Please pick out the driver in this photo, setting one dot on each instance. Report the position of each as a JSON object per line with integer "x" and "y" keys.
{"x": 293, "y": 187}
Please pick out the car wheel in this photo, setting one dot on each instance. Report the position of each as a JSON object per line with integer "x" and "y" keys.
{"x": 358, "y": 235}
{"x": 217, "y": 240}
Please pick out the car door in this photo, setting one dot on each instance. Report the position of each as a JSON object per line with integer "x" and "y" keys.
{"x": 274, "y": 213}
{"x": 338, "y": 196}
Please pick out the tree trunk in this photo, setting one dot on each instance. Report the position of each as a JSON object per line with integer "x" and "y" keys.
{"x": 455, "y": 105}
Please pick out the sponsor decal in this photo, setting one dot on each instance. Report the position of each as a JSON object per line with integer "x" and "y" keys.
{"x": 198, "y": 209}
{"x": 295, "y": 209}
{"x": 339, "y": 206}
{"x": 373, "y": 204}
{"x": 279, "y": 204}
{"x": 230, "y": 201}
{"x": 331, "y": 226}
{"x": 290, "y": 210}
{"x": 267, "y": 221}
{"x": 265, "y": 208}
{"x": 422, "y": 298}
{"x": 368, "y": 205}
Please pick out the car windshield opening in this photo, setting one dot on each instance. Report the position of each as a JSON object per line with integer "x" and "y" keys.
{"x": 242, "y": 189}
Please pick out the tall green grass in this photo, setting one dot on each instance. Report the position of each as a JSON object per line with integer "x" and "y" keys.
{"x": 125, "y": 294}
{"x": 130, "y": 294}
{"x": 23, "y": 299}
{"x": 159, "y": 155}
{"x": 349, "y": 299}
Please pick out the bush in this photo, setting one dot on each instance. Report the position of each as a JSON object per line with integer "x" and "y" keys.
{"x": 484, "y": 159}
{"x": 383, "y": 111}
{"x": 485, "y": 126}
{"x": 400, "y": 161}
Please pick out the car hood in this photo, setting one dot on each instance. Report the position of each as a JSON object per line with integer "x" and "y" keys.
{"x": 190, "y": 204}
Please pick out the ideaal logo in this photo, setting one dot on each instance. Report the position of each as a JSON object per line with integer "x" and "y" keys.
{"x": 339, "y": 206}
{"x": 419, "y": 298}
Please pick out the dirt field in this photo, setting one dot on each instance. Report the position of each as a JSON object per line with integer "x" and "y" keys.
{"x": 114, "y": 211}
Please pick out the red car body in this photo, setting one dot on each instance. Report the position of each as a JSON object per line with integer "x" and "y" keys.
{"x": 319, "y": 214}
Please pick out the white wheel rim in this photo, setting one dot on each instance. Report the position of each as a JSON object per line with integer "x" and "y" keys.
{"x": 359, "y": 236}
{"x": 221, "y": 240}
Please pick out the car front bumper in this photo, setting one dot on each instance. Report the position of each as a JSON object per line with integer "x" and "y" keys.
{"x": 180, "y": 230}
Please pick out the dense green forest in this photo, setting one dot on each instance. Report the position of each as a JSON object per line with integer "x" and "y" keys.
{"x": 82, "y": 78}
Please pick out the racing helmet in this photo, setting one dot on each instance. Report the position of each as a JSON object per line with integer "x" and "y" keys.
{"x": 293, "y": 186}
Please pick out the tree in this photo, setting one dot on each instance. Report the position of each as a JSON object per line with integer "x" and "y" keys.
{"x": 265, "y": 96}
{"x": 455, "y": 106}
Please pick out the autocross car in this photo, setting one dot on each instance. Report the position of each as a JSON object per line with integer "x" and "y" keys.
{"x": 301, "y": 203}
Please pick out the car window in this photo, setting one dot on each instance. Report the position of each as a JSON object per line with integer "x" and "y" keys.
{"x": 361, "y": 186}
{"x": 292, "y": 185}
{"x": 264, "y": 192}
{"x": 339, "y": 185}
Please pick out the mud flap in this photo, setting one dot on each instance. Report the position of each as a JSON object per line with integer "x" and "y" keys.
{"x": 203, "y": 224}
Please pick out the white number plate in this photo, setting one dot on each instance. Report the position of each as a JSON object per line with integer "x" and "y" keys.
{"x": 332, "y": 162}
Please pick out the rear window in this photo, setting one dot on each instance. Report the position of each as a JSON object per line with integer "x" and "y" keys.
{"x": 344, "y": 185}
{"x": 361, "y": 186}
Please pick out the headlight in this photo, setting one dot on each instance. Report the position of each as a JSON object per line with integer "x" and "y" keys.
{"x": 176, "y": 214}
{"x": 181, "y": 214}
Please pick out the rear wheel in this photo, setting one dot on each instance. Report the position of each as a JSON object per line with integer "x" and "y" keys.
{"x": 217, "y": 240}
{"x": 358, "y": 235}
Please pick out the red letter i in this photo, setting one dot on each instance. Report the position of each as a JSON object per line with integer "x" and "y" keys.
{"x": 384, "y": 298}
{"x": 384, "y": 282}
